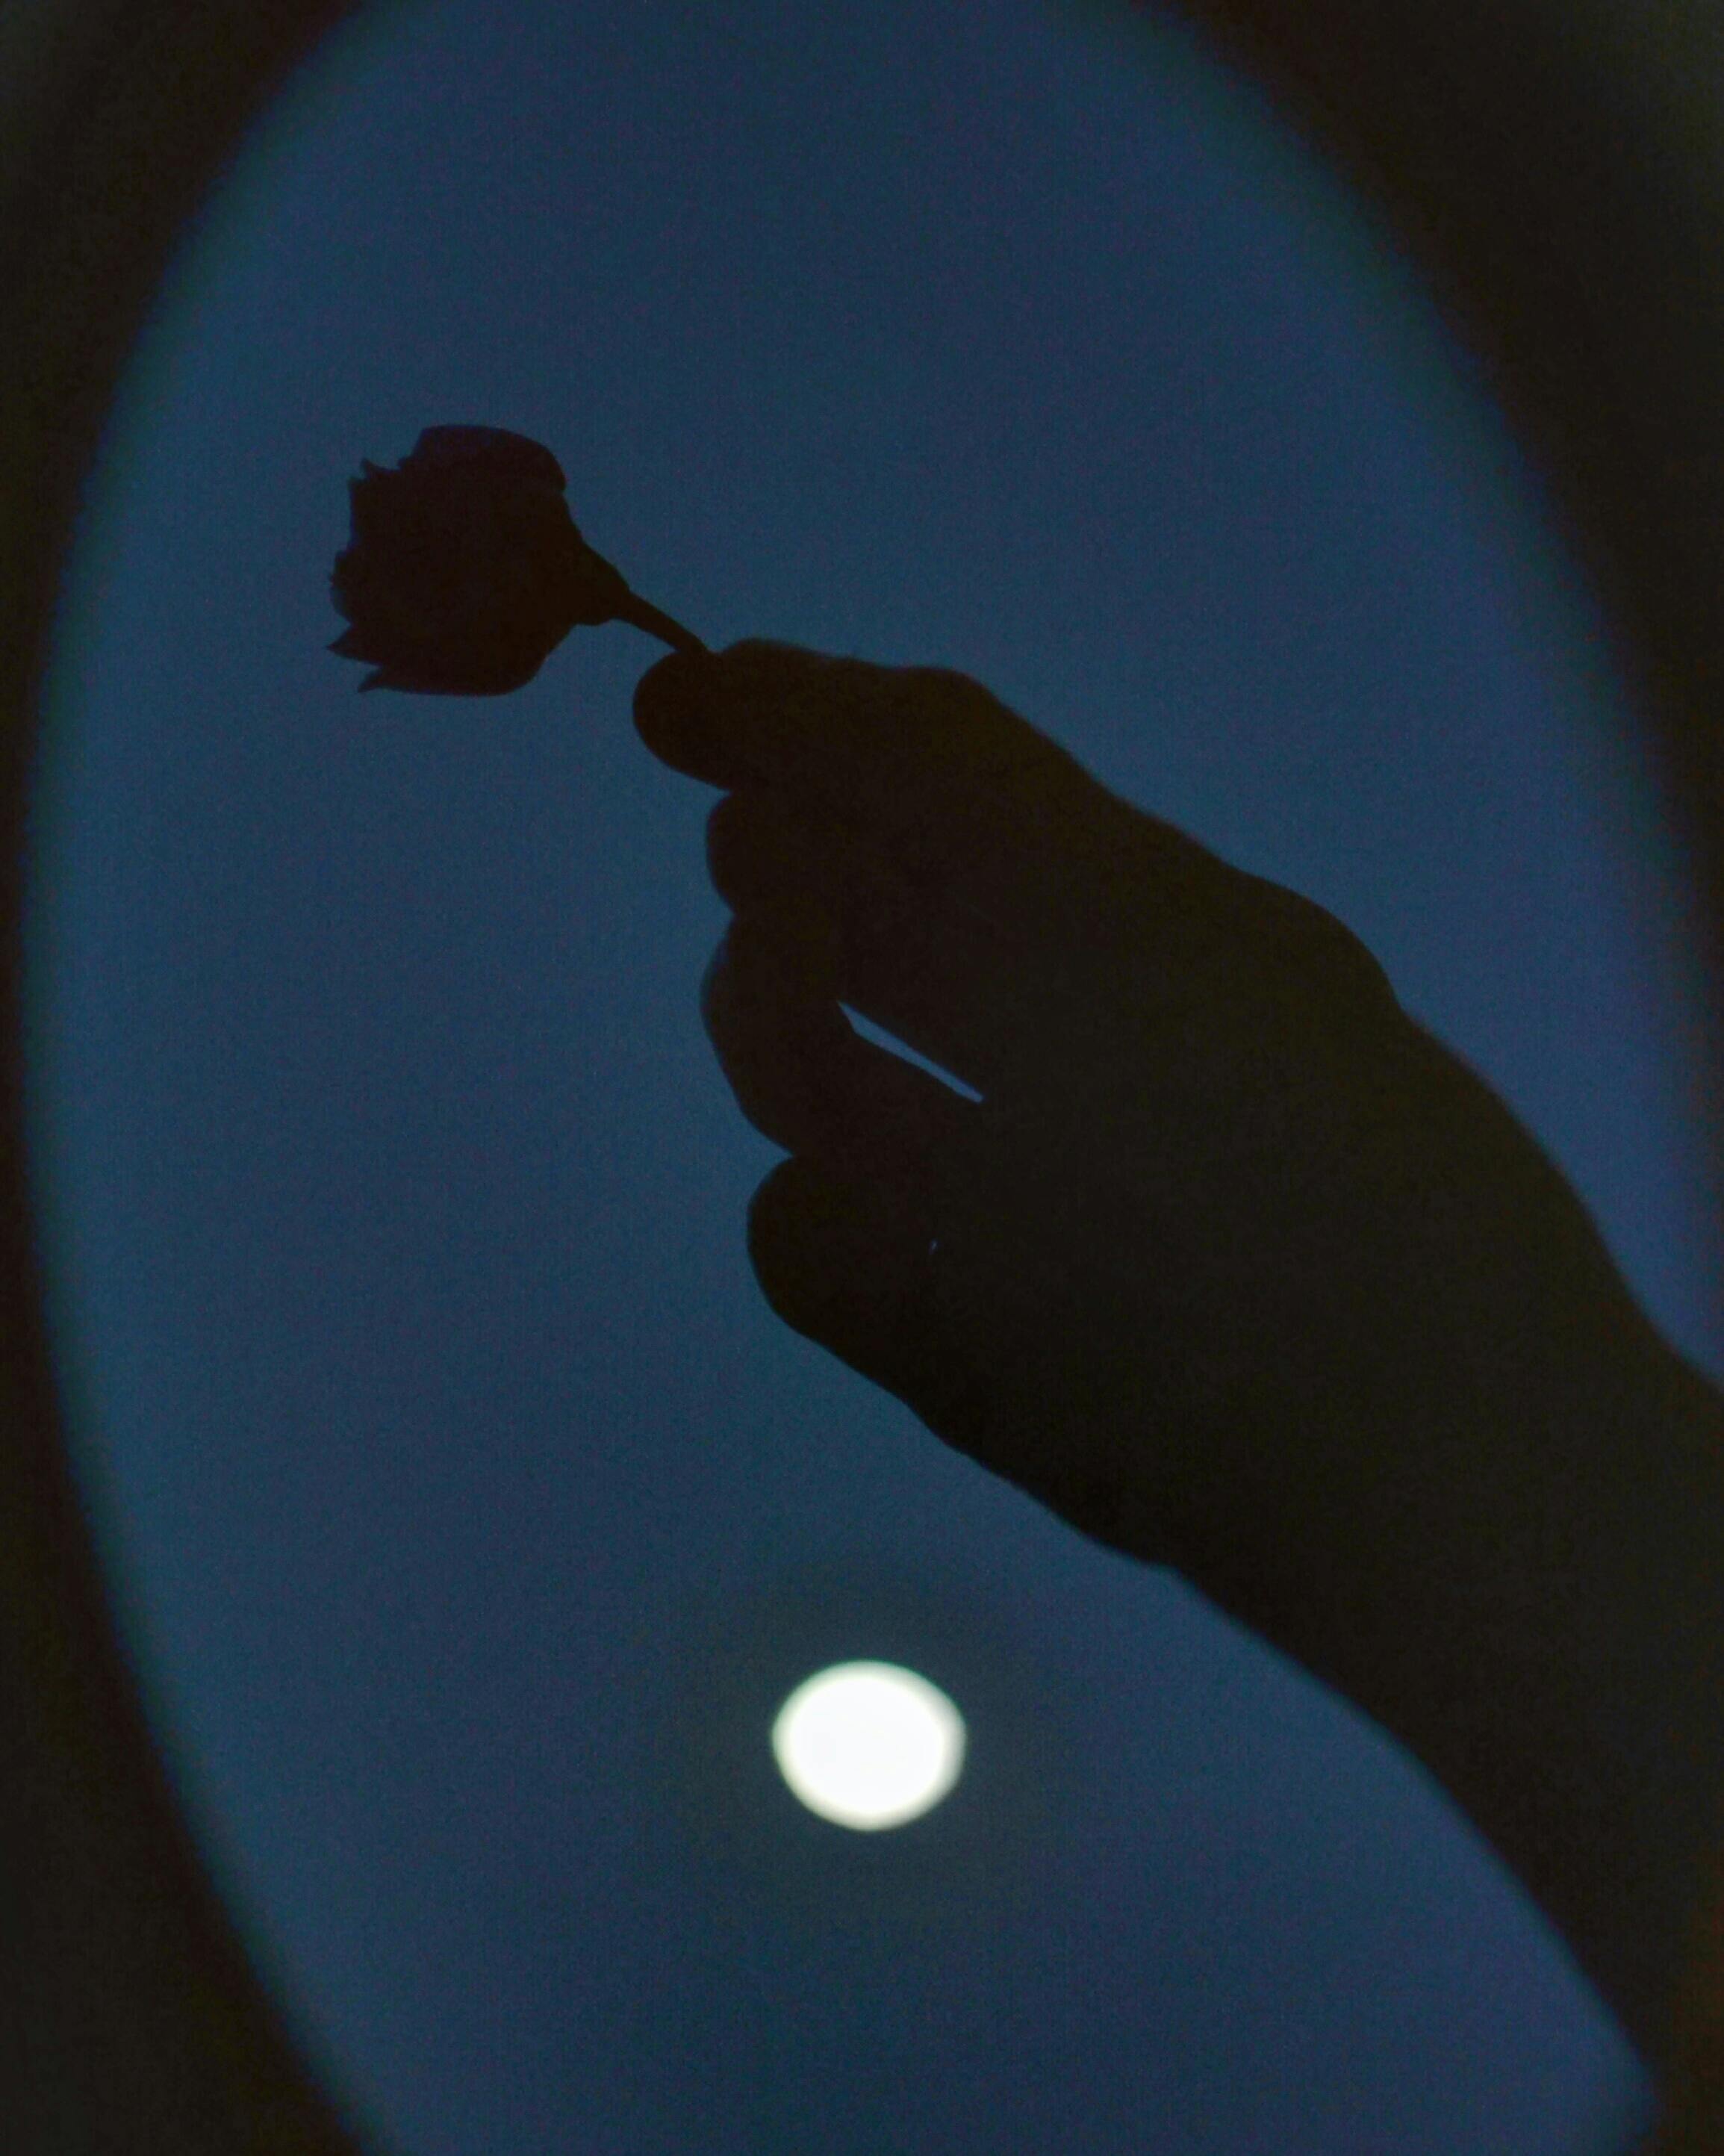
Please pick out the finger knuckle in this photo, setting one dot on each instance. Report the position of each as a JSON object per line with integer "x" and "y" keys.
{"x": 728, "y": 829}
{"x": 717, "y": 999}
{"x": 1309, "y": 944}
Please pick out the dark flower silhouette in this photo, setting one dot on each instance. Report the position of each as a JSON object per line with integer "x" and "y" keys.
{"x": 465, "y": 570}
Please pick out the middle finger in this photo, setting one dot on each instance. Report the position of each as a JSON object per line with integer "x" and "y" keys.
{"x": 907, "y": 951}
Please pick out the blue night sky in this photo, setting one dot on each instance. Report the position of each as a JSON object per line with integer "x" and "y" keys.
{"x": 469, "y": 1512}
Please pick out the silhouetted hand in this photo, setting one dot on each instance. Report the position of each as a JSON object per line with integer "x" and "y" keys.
{"x": 1232, "y": 1264}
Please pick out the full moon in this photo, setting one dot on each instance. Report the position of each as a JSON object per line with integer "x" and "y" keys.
{"x": 868, "y": 1745}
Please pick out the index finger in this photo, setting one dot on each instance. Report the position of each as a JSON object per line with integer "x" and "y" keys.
{"x": 954, "y": 789}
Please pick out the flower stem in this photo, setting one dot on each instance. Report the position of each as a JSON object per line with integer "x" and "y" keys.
{"x": 641, "y": 614}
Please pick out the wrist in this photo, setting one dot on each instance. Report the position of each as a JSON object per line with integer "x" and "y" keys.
{"x": 1554, "y": 1656}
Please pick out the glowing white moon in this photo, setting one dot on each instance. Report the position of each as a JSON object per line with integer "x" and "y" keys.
{"x": 868, "y": 1745}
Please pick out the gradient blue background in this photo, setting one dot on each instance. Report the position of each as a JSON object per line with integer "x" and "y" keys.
{"x": 468, "y": 1509}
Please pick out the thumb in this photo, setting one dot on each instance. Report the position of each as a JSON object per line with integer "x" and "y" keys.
{"x": 847, "y": 1266}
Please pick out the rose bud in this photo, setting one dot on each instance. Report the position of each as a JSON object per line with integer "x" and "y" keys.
{"x": 465, "y": 570}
